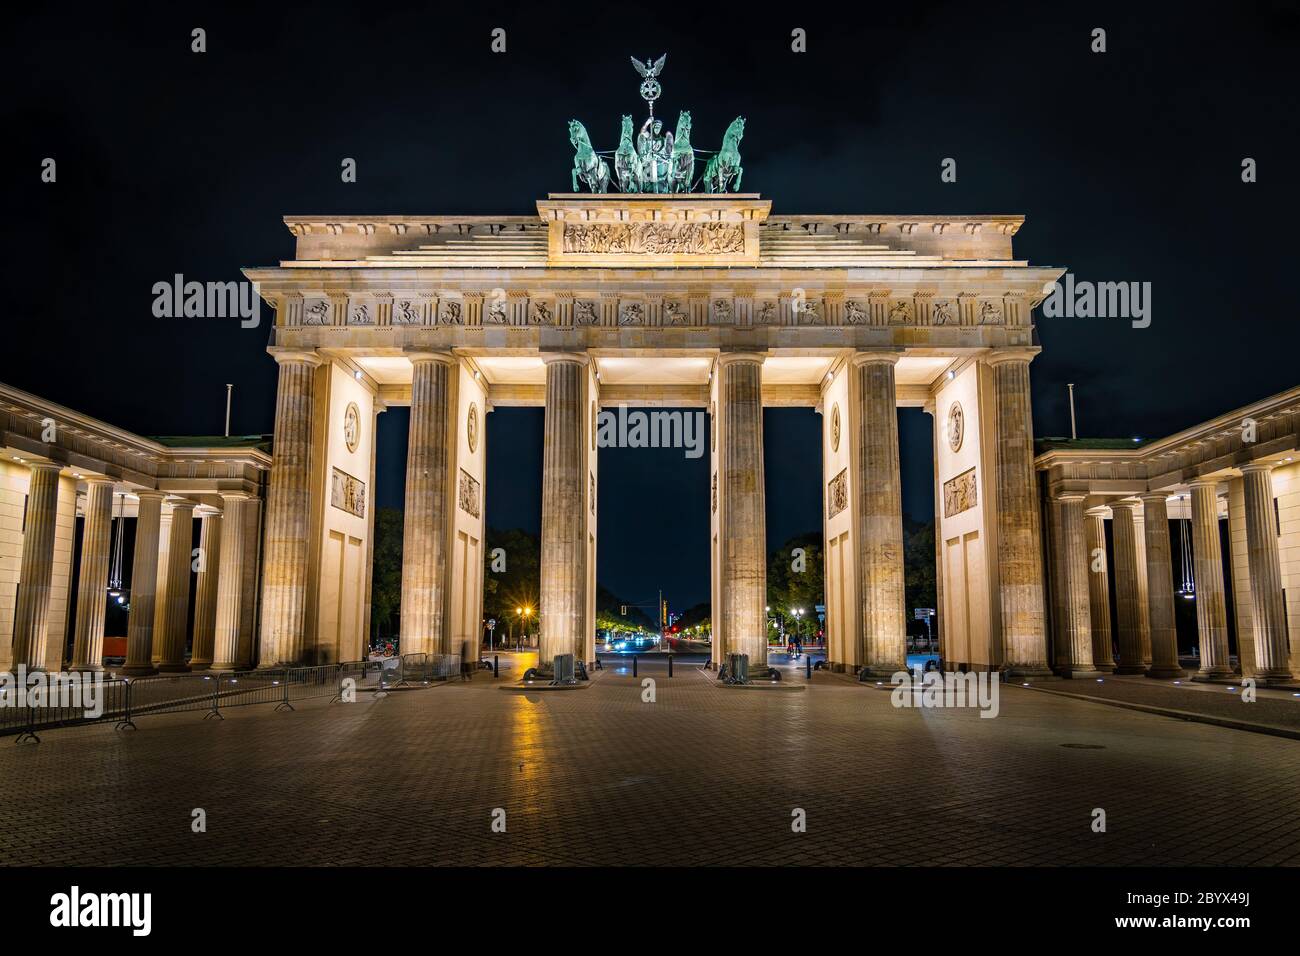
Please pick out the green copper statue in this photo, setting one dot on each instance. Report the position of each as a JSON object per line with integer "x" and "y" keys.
{"x": 682, "y": 173}
{"x": 587, "y": 166}
{"x": 657, "y": 160}
{"x": 627, "y": 164}
{"x": 726, "y": 163}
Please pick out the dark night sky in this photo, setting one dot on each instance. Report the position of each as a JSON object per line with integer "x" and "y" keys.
{"x": 1126, "y": 164}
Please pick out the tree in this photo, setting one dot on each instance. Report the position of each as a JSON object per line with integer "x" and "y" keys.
{"x": 918, "y": 568}
{"x": 512, "y": 576}
{"x": 386, "y": 579}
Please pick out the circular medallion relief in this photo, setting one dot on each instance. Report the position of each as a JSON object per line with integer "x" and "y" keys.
{"x": 956, "y": 426}
{"x": 835, "y": 427}
{"x": 351, "y": 426}
{"x": 471, "y": 427}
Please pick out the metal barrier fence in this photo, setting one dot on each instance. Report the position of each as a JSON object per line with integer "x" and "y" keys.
{"x": 123, "y": 700}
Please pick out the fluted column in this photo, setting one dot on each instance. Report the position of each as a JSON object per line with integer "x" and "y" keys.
{"x": 31, "y": 616}
{"x": 879, "y": 519}
{"x": 288, "y": 514}
{"x": 226, "y": 653}
{"x": 1272, "y": 654}
{"x": 1074, "y": 630}
{"x": 144, "y": 584}
{"x": 1019, "y": 557}
{"x": 1103, "y": 653}
{"x": 742, "y": 535}
{"x": 1211, "y": 606}
{"x": 564, "y": 494}
{"x": 1160, "y": 589}
{"x": 211, "y": 532}
{"x": 426, "y": 535}
{"x": 176, "y": 594}
{"x": 1128, "y": 589}
{"x": 92, "y": 581}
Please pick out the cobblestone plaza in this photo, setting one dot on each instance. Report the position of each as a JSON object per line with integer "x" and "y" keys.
{"x": 598, "y": 777}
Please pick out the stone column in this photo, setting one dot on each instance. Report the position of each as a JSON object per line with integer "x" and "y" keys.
{"x": 1074, "y": 630}
{"x": 426, "y": 535}
{"x": 563, "y": 608}
{"x": 742, "y": 536}
{"x": 1128, "y": 589}
{"x": 92, "y": 581}
{"x": 1207, "y": 559}
{"x": 205, "y": 594}
{"x": 1160, "y": 589}
{"x": 176, "y": 594}
{"x": 1144, "y": 611}
{"x": 1103, "y": 653}
{"x": 1272, "y": 654}
{"x": 31, "y": 616}
{"x": 878, "y": 500}
{"x": 1019, "y": 550}
{"x": 288, "y": 514}
{"x": 227, "y": 653}
{"x": 144, "y": 584}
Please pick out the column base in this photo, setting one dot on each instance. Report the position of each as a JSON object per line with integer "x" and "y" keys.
{"x": 1215, "y": 675}
{"x": 1106, "y": 668}
{"x": 1274, "y": 679}
{"x": 1131, "y": 669}
{"x": 1035, "y": 670}
{"x": 881, "y": 671}
{"x": 1069, "y": 673}
{"x": 200, "y": 666}
{"x": 173, "y": 668}
{"x": 139, "y": 670}
{"x": 1165, "y": 672}
{"x": 85, "y": 668}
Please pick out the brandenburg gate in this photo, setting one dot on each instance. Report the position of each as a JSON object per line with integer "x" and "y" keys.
{"x": 662, "y": 299}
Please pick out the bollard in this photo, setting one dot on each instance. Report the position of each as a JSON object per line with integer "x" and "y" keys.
{"x": 808, "y": 661}
{"x": 670, "y": 665}
{"x": 496, "y": 668}
{"x": 633, "y": 665}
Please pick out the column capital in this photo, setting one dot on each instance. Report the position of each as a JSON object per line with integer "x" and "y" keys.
{"x": 288, "y": 356}
{"x": 1070, "y": 496}
{"x": 1151, "y": 496}
{"x": 430, "y": 355}
{"x": 1211, "y": 483}
{"x": 578, "y": 358}
{"x": 1098, "y": 511}
{"x": 1258, "y": 466}
{"x": 143, "y": 493}
{"x": 727, "y": 358}
{"x": 235, "y": 495}
{"x": 999, "y": 356}
{"x": 876, "y": 357}
{"x": 53, "y": 466}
